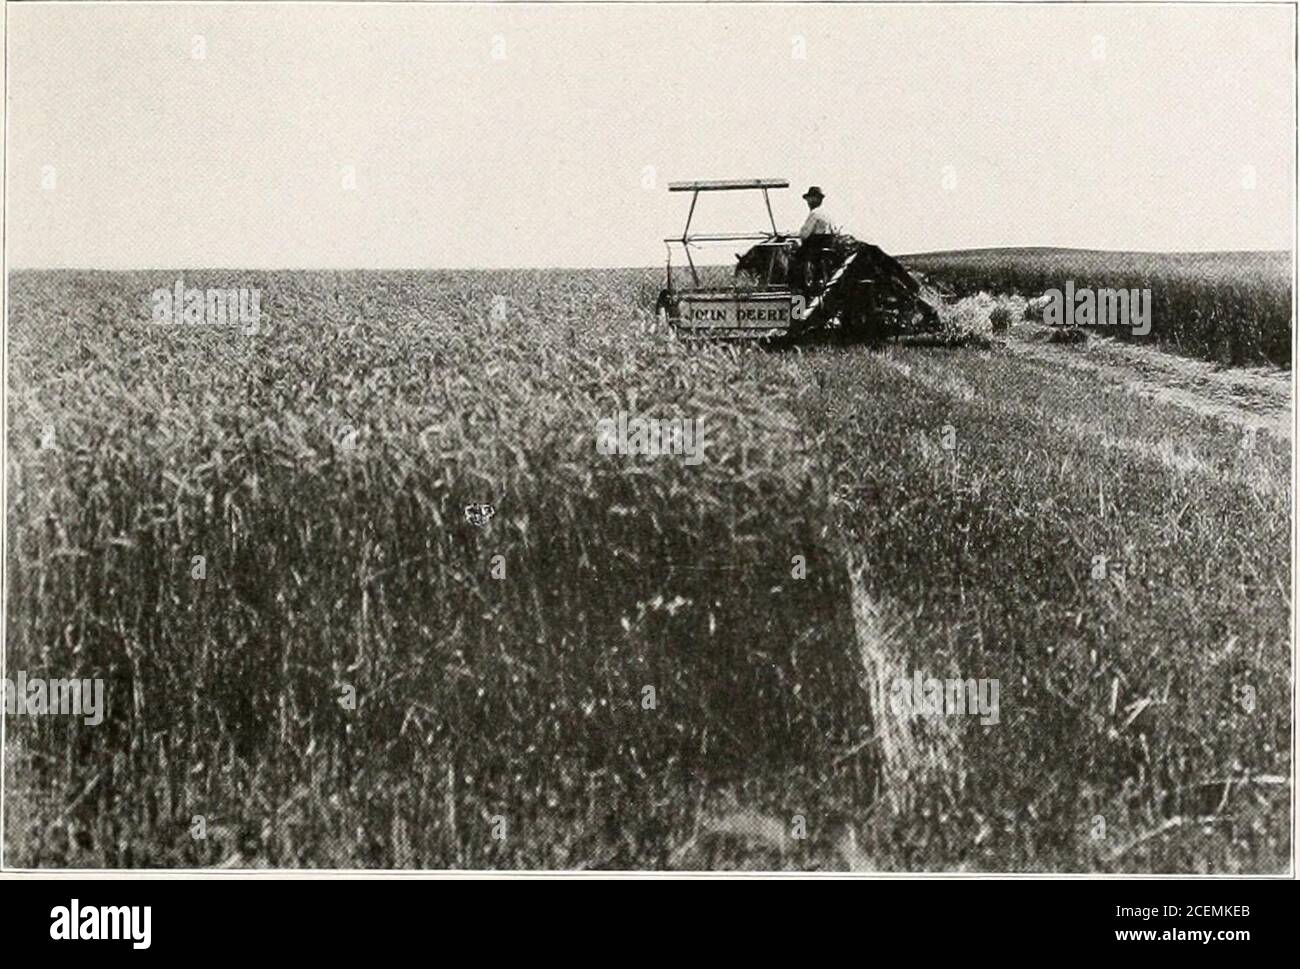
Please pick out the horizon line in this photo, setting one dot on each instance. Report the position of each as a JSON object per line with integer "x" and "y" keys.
{"x": 572, "y": 268}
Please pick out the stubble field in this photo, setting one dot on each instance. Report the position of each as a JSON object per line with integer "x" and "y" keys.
{"x": 312, "y": 658}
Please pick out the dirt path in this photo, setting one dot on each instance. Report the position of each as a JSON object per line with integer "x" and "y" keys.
{"x": 1259, "y": 397}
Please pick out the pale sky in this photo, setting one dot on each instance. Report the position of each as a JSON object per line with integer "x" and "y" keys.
{"x": 928, "y": 127}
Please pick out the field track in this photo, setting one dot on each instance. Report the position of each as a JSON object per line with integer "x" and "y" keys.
{"x": 1257, "y": 397}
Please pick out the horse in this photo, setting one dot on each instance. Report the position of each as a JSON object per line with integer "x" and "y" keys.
{"x": 767, "y": 262}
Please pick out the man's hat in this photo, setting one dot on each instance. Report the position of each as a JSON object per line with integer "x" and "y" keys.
{"x": 815, "y": 191}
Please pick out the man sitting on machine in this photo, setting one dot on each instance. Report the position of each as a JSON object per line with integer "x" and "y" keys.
{"x": 815, "y": 241}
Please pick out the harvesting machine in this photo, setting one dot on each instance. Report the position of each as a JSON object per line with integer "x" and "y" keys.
{"x": 858, "y": 291}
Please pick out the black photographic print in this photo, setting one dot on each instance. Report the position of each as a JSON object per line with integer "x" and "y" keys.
{"x": 654, "y": 437}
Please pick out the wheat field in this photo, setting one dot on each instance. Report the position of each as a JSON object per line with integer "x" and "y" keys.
{"x": 313, "y": 658}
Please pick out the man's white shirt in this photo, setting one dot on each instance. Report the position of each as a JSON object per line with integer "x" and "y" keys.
{"x": 818, "y": 223}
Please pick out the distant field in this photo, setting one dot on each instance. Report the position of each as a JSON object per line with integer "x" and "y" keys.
{"x": 1231, "y": 307}
{"x": 362, "y": 678}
